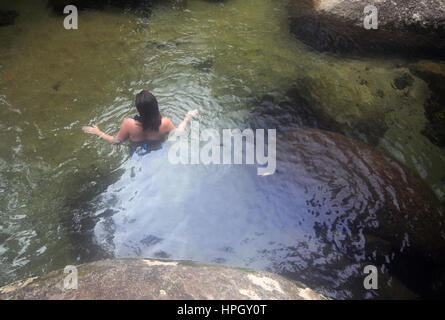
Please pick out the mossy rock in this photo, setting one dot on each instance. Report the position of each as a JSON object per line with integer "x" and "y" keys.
{"x": 433, "y": 73}
{"x": 385, "y": 106}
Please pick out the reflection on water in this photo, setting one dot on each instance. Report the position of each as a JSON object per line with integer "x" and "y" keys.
{"x": 66, "y": 197}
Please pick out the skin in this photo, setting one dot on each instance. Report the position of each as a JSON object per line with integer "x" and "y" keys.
{"x": 132, "y": 130}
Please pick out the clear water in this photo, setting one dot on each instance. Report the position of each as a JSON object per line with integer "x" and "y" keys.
{"x": 66, "y": 197}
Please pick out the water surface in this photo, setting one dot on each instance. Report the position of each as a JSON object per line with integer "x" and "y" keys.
{"x": 66, "y": 197}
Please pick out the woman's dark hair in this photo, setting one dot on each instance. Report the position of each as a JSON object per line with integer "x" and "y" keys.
{"x": 149, "y": 114}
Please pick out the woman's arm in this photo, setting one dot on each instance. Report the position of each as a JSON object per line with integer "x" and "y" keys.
{"x": 180, "y": 129}
{"x": 121, "y": 136}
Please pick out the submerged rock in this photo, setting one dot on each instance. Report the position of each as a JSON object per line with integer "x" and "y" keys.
{"x": 369, "y": 207}
{"x": 385, "y": 105}
{"x": 403, "y": 81}
{"x": 337, "y": 25}
{"x": 434, "y": 75}
{"x": 130, "y": 279}
{"x": 288, "y": 113}
{"x": 356, "y": 99}
{"x": 203, "y": 66}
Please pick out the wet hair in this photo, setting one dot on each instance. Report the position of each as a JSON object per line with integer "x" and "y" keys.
{"x": 149, "y": 115}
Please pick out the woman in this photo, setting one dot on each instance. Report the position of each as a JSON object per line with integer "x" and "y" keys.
{"x": 147, "y": 127}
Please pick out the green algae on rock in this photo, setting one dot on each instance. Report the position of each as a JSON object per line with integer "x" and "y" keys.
{"x": 385, "y": 107}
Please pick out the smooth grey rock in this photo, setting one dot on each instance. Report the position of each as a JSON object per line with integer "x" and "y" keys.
{"x": 156, "y": 279}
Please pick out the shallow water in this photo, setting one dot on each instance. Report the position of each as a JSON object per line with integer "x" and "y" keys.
{"x": 66, "y": 197}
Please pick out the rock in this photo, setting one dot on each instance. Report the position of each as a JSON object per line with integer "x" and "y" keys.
{"x": 403, "y": 81}
{"x": 424, "y": 67}
{"x": 416, "y": 28}
{"x": 368, "y": 206}
{"x": 385, "y": 106}
{"x": 203, "y": 66}
{"x": 8, "y": 17}
{"x": 58, "y": 5}
{"x": 358, "y": 99}
{"x": 434, "y": 75}
{"x": 289, "y": 113}
{"x": 130, "y": 279}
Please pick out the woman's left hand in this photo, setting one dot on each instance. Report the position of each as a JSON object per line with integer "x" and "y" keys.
{"x": 93, "y": 130}
{"x": 192, "y": 113}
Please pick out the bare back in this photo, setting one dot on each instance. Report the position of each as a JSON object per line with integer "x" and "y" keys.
{"x": 132, "y": 129}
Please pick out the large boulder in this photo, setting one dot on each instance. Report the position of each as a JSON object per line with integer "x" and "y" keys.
{"x": 129, "y": 279}
{"x": 398, "y": 108}
{"x": 368, "y": 206}
{"x": 142, "y": 5}
{"x": 337, "y": 25}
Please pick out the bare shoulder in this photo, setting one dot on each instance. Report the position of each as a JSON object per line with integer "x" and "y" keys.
{"x": 128, "y": 122}
{"x": 167, "y": 124}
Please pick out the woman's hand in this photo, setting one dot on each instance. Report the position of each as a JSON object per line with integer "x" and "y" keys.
{"x": 114, "y": 140}
{"x": 93, "y": 130}
{"x": 192, "y": 113}
{"x": 182, "y": 125}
